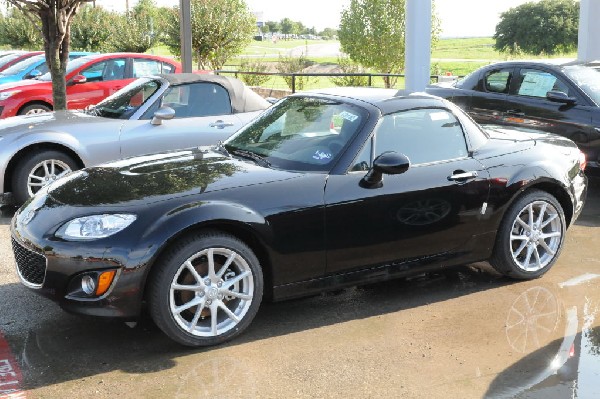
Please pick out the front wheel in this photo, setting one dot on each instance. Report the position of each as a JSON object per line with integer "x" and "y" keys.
{"x": 33, "y": 109}
{"x": 206, "y": 289}
{"x": 530, "y": 237}
{"x": 37, "y": 170}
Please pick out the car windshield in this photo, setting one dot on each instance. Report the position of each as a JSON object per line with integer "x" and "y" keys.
{"x": 6, "y": 58}
{"x": 299, "y": 133}
{"x": 24, "y": 65}
{"x": 125, "y": 102}
{"x": 71, "y": 66}
{"x": 588, "y": 79}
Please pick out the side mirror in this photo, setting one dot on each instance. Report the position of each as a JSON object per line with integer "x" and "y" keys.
{"x": 33, "y": 74}
{"x": 389, "y": 163}
{"x": 77, "y": 79}
{"x": 560, "y": 97}
{"x": 164, "y": 113}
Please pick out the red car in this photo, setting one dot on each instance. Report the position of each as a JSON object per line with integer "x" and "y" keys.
{"x": 89, "y": 79}
{"x": 10, "y": 58}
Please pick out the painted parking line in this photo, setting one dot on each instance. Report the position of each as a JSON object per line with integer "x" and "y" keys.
{"x": 11, "y": 378}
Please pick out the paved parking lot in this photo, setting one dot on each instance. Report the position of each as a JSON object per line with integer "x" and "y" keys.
{"x": 466, "y": 333}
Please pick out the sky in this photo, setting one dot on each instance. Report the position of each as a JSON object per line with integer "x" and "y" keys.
{"x": 459, "y": 18}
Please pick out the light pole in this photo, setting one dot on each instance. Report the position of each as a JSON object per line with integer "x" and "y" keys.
{"x": 185, "y": 20}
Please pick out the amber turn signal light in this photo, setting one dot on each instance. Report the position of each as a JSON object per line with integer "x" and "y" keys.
{"x": 104, "y": 281}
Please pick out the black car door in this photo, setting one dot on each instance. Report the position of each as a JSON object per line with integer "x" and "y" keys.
{"x": 489, "y": 105}
{"x": 431, "y": 209}
{"x": 528, "y": 106}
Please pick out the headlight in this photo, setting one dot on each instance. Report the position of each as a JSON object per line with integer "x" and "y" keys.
{"x": 95, "y": 226}
{"x": 7, "y": 94}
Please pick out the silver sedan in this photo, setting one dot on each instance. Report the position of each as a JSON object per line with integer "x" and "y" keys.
{"x": 152, "y": 114}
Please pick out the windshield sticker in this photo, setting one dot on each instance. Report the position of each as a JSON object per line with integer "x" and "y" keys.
{"x": 348, "y": 116}
{"x": 439, "y": 116}
{"x": 322, "y": 156}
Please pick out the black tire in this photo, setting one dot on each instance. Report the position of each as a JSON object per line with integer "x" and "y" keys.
{"x": 193, "y": 326}
{"x": 34, "y": 109}
{"x": 528, "y": 250}
{"x": 31, "y": 164}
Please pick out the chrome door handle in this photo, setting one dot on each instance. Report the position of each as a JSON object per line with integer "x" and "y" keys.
{"x": 220, "y": 124}
{"x": 515, "y": 112}
{"x": 463, "y": 176}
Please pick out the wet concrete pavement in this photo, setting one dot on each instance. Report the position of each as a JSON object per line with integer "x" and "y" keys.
{"x": 467, "y": 332}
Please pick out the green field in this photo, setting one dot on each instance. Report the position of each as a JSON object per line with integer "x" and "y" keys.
{"x": 457, "y": 56}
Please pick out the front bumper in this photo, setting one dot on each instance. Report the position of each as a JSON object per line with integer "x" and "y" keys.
{"x": 48, "y": 267}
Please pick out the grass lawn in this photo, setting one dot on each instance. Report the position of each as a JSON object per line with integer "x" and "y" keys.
{"x": 458, "y": 56}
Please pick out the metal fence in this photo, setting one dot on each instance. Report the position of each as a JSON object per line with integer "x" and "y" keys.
{"x": 306, "y": 81}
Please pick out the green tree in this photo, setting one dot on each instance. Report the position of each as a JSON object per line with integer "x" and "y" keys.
{"x": 17, "y": 31}
{"x": 372, "y": 34}
{"x": 53, "y": 19}
{"x": 287, "y": 26}
{"x": 546, "y": 27}
{"x": 221, "y": 29}
{"x": 135, "y": 31}
{"x": 92, "y": 29}
{"x": 328, "y": 33}
{"x": 274, "y": 26}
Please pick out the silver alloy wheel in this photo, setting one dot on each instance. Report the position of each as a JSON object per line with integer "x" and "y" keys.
{"x": 211, "y": 292}
{"x": 536, "y": 236}
{"x": 34, "y": 111}
{"x": 45, "y": 173}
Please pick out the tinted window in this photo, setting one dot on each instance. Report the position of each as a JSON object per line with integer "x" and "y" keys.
{"x": 588, "y": 79}
{"x": 537, "y": 83}
{"x": 300, "y": 133}
{"x": 198, "y": 99}
{"x": 424, "y": 135}
{"x": 107, "y": 70}
{"x": 498, "y": 81}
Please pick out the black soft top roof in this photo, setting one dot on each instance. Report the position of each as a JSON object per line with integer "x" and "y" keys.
{"x": 243, "y": 99}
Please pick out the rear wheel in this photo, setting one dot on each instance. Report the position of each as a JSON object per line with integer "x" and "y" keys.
{"x": 530, "y": 237}
{"x": 37, "y": 170}
{"x": 206, "y": 289}
{"x": 33, "y": 109}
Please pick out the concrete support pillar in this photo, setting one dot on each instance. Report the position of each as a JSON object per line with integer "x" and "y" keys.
{"x": 589, "y": 31}
{"x": 418, "y": 44}
{"x": 185, "y": 29}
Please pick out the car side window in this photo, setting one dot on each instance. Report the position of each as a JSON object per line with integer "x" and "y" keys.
{"x": 423, "y": 135}
{"x": 144, "y": 67}
{"x": 197, "y": 100}
{"x": 107, "y": 70}
{"x": 167, "y": 68}
{"x": 536, "y": 83}
{"x": 498, "y": 81}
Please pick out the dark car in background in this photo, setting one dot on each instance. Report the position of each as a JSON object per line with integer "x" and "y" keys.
{"x": 323, "y": 190}
{"x": 560, "y": 99}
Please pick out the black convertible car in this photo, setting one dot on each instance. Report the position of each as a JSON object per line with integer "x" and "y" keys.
{"x": 324, "y": 190}
{"x": 560, "y": 99}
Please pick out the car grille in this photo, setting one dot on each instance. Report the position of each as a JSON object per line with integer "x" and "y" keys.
{"x": 31, "y": 266}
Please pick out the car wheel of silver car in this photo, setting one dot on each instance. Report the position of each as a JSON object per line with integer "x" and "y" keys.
{"x": 33, "y": 109}
{"x": 38, "y": 169}
{"x": 206, "y": 289}
{"x": 530, "y": 237}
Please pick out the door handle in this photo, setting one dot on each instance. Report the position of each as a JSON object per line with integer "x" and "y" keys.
{"x": 220, "y": 124}
{"x": 463, "y": 176}
{"x": 515, "y": 112}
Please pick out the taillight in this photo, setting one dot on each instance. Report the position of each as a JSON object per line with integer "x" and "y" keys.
{"x": 582, "y": 161}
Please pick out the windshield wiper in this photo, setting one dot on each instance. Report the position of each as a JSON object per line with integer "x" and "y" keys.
{"x": 260, "y": 160}
{"x": 220, "y": 147}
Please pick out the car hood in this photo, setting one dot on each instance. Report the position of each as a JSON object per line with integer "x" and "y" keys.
{"x": 58, "y": 121}
{"x": 9, "y": 78}
{"x": 160, "y": 177}
{"x": 26, "y": 84}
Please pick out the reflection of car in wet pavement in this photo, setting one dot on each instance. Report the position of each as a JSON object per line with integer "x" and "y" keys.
{"x": 151, "y": 114}
{"x": 201, "y": 235}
